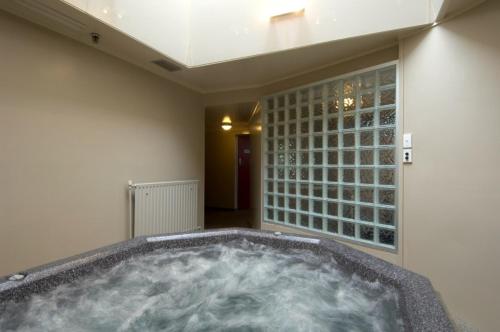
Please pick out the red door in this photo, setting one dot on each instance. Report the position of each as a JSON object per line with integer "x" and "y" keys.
{"x": 243, "y": 171}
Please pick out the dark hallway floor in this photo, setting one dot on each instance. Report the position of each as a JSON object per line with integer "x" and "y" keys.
{"x": 222, "y": 218}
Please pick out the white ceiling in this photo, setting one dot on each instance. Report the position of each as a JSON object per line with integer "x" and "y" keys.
{"x": 238, "y": 74}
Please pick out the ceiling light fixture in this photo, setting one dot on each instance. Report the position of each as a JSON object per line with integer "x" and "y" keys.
{"x": 281, "y": 8}
{"x": 226, "y": 123}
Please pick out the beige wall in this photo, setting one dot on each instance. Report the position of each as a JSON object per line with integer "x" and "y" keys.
{"x": 452, "y": 189}
{"x": 75, "y": 126}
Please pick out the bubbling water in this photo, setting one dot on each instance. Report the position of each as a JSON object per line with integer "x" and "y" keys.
{"x": 237, "y": 286}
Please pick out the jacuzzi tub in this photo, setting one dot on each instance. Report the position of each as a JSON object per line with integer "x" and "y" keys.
{"x": 230, "y": 279}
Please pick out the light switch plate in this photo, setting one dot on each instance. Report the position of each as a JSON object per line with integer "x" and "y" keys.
{"x": 407, "y": 141}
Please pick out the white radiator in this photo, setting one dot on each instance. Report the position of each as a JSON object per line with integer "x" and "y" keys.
{"x": 163, "y": 207}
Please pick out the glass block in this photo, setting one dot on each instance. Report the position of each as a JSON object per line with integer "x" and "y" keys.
{"x": 281, "y": 130}
{"x": 318, "y": 142}
{"x": 367, "y": 100}
{"x": 386, "y": 176}
{"x": 386, "y": 236}
{"x": 318, "y": 92}
{"x": 318, "y": 158}
{"x": 333, "y": 158}
{"x": 292, "y": 173}
{"x": 349, "y": 140}
{"x": 281, "y": 116}
{"x": 349, "y": 122}
{"x": 366, "y": 213}
{"x": 332, "y": 89}
{"x": 333, "y": 141}
{"x": 270, "y": 214}
{"x": 318, "y": 174}
{"x": 280, "y": 144}
{"x": 304, "y": 158}
{"x": 366, "y": 176}
{"x": 348, "y": 87}
{"x": 281, "y": 101}
{"x": 366, "y": 195}
{"x": 348, "y": 211}
{"x": 332, "y": 226}
{"x": 386, "y": 136}
{"x": 270, "y": 173}
{"x": 386, "y": 196}
{"x": 270, "y": 103}
{"x": 317, "y": 223}
{"x": 281, "y": 187}
{"x": 333, "y": 106}
{"x": 270, "y": 131}
{"x": 318, "y": 207}
{"x": 304, "y": 189}
{"x": 281, "y": 216}
{"x": 292, "y": 129}
{"x": 304, "y": 220}
{"x": 304, "y": 205}
{"x": 270, "y": 200}
{"x": 270, "y": 145}
{"x": 367, "y": 81}
{"x": 270, "y": 158}
{"x": 281, "y": 158}
{"x": 270, "y": 117}
{"x": 366, "y": 157}
{"x": 292, "y": 143}
{"x": 332, "y": 208}
{"x": 304, "y": 174}
{"x": 387, "y": 117}
{"x": 366, "y": 138}
{"x": 304, "y": 127}
{"x": 386, "y": 157}
{"x": 304, "y": 143}
{"x": 332, "y": 124}
{"x": 304, "y": 95}
{"x": 387, "y": 76}
{"x": 386, "y": 216}
{"x": 349, "y": 103}
{"x": 366, "y": 120}
{"x": 348, "y": 175}
{"x": 332, "y": 192}
{"x": 387, "y": 97}
{"x": 281, "y": 202}
{"x": 292, "y": 189}
{"x": 318, "y": 126}
{"x": 333, "y": 175}
{"x": 349, "y": 157}
{"x": 304, "y": 112}
{"x": 292, "y": 99}
{"x": 292, "y": 204}
{"x": 281, "y": 173}
{"x": 348, "y": 193}
{"x": 292, "y": 218}
{"x": 292, "y": 114}
{"x": 366, "y": 232}
{"x": 348, "y": 229}
{"x": 317, "y": 190}
{"x": 270, "y": 187}
{"x": 318, "y": 109}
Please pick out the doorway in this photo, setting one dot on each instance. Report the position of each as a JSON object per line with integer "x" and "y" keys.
{"x": 243, "y": 172}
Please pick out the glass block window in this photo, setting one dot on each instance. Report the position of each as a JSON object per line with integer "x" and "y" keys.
{"x": 329, "y": 157}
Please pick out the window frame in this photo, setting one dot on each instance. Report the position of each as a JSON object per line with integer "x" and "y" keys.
{"x": 397, "y": 162}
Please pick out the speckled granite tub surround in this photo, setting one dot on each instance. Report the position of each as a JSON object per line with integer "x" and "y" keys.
{"x": 419, "y": 304}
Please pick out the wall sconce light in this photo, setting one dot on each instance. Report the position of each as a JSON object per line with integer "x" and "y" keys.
{"x": 226, "y": 123}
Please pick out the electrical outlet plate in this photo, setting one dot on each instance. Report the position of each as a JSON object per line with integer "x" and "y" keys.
{"x": 407, "y": 156}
